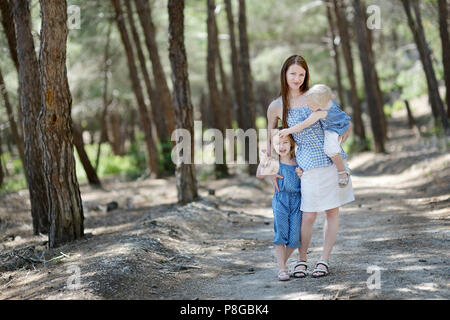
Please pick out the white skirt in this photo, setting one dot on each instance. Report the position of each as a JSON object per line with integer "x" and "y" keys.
{"x": 321, "y": 191}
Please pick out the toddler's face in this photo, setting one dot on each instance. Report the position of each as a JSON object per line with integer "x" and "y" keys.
{"x": 282, "y": 146}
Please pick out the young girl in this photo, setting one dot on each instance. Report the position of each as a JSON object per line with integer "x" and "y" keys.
{"x": 335, "y": 123}
{"x": 285, "y": 203}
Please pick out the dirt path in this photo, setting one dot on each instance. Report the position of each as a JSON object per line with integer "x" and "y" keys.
{"x": 221, "y": 247}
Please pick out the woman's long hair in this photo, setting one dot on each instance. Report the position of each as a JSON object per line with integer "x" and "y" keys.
{"x": 284, "y": 92}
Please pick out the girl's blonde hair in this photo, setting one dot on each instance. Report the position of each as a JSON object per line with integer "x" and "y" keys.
{"x": 319, "y": 94}
{"x": 291, "y": 140}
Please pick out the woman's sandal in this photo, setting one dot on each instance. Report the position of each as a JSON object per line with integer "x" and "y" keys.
{"x": 283, "y": 275}
{"x": 320, "y": 272}
{"x": 343, "y": 182}
{"x": 303, "y": 272}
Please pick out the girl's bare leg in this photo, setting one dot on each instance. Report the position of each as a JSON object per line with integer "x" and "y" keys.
{"x": 287, "y": 253}
{"x": 280, "y": 254}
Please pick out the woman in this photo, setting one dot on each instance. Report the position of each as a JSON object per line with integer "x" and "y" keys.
{"x": 319, "y": 182}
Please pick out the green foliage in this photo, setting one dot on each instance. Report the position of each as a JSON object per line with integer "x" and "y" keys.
{"x": 166, "y": 163}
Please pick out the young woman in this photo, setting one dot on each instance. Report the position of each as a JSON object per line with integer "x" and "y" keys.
{"x": 319, "y": 182}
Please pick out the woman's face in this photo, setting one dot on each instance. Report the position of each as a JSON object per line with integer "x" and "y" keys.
{"x": 295, "y": 75}
{"x": 282, "y": 146}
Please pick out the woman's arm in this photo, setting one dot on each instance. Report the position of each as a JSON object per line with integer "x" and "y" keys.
{"x": 313, "y": 118}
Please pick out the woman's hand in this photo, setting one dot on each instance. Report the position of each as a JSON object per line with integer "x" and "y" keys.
{"x": 299, "y": 172}
{"x": 275, "y": 181}
{"x": 284, "y": 133}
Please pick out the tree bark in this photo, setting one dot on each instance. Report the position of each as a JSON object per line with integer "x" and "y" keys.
{"x": 445, "y": 39}
{"x": 12, "y": 123}
{"x": 106, "y": 100}
{"x": 144, "y": 116}
{"x": 415, "y": 24}
{"x": 237, "y": 82}
{"x": 221, "y": 169}
{"x": 55, "y": 130}
{"x": 145, "y": 17}
{"x": 335, "y": 53}
{"x": 369, "y": 84}
{"x": 248, "y": 106}
{"x": 88, "y": 168}
{"x": 6, "y": 9}
{"x": 185, "y": 172}
{"x": 157, "y": 115}
{"x": 374, "y": 73}
{"x": 31, "y": 103}
{"x": 343, "y": 28}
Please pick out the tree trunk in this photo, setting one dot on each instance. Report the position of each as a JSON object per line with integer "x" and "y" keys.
{"x": 157, "y": 115}
{"x": 145, "y": 119}
{"x": 334, "y": 51}
{"x": 369, "y": 84}
{"x": 106, "y": 100}
{"x": 237, "y": 82}
{"x": 55, "y": 131}
{"x": 6, "y": 8}
{"x": 445, "y": 39}
{"x": 248, "y": 106}
{"x": 145, "y": 17}
{"x": 88, "y": 168}
{"x": 437, "y": 107}
{"x": 411, "y": 121}
{"x": 2, "y": 174}
{"x": 221, "y": 169}
{"x": 185, "y": 172}
{"x": 346, "y": 50}
{"x": 375, "y": 78}
{"x": 12, "y": 123}
{"x": 31, "y": 103}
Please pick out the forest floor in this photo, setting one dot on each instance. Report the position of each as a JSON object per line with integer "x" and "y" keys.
{"x": 221, "y": 246}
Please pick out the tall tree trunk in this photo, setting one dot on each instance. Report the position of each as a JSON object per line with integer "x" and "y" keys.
{"x": 145, "y": 17}
{"x": 221, "y": 169}
{"x": 445, "y": 39}
{"x": 343, "y": 28}
{"x": 144, "y": 116}
{"x": 6, "y": 8}
{"x": 157, "y": 115}
{"x": 415, "y": 25}
{"x": 334, "y": 51}
{"x": 374, "y": 73}
{"x": 2, "y": 174}
{"x": 237, "y": 82}
{"x": 12, "y": 123}
{"x": 31, "y": 103}
{"x": 248, "y": 106}
{"x": 185, "y": 172}
{"x": 106, "y": 100}
{"x": 55, "y": 131}
{"x": 225, "y": 98}
{"x": 369, "y": 84}
{"x": 88, "y": 168}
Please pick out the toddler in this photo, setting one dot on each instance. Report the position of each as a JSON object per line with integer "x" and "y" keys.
{"x": 335, "y": 123}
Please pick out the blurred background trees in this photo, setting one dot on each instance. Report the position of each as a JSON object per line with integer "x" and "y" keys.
{"x": 119, "y": 74}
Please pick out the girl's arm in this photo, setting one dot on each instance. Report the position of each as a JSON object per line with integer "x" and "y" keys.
{"x": 272, "y": 121}
{"x": 313, "y": 118}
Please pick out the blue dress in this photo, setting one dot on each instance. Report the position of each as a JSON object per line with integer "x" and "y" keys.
{"x": 336, "y": 120}
{"x": 286, "y": 208}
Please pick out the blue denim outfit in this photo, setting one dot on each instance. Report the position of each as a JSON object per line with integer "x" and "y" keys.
{"x": 336, "y": 120}
{"x": 286, "y": 208}
{"x": 310, "y": 153}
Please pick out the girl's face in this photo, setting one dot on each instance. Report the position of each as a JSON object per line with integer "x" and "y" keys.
{"x": 282, "y": 146}
{"x": 295, "y": 75}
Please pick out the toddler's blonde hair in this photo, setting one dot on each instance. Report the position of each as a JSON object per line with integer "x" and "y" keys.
{"x": 319, "y": 94}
